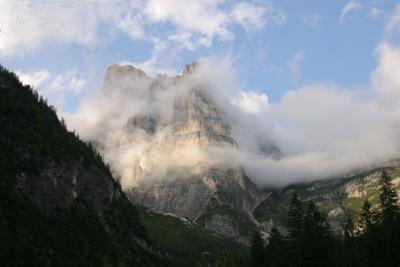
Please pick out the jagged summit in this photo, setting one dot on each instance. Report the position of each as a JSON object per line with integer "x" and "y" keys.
{"x": 128, "y": 70}
{"x": 190, "y": 68}
{"x": 124, "y": 70}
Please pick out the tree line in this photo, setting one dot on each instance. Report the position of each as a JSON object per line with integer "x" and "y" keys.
{"x": 372, "y": 240}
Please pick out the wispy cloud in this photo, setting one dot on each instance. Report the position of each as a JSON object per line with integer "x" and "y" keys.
{"x": 251, "y": 102}
{"x": 35, "y": 78}
{"x": 311, "y": 20}
{"x": 375, "y": 12}
{"x": 295, "y": 64}
{"x": 350, "y": 6}
{"x": 67, "y": 82}
{"x": 394, "y": 20}
{"x": 26, "y": 25}
{"x": 57, "y": 88}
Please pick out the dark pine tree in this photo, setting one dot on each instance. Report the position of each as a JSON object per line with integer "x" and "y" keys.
{"x": 366, "y": 243}
{"x": 295, "y": 225}
{"x": 388, "y": 199}
{"x": 257, "y": 256}
{"x": 316, "y": 239}
{"x": 366, "y": 220}
{"x": 388, "y": 231}
{"x": 348, "y": 251}
{"x": 295, "y": 217}
{"x": 275, "y": 253}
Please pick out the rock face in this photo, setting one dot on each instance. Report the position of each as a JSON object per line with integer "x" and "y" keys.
{"x": 187, "y": 194}
{"x": 191, "y": 143}
{"x": 196, "y": 121}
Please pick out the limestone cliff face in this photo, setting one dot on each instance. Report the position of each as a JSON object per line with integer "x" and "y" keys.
{"x": 197, "y": 121}
{"x": 188, "y": 194}
{"x": 189, "y": 143}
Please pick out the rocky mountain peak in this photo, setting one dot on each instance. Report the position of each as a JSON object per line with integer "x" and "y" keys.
{"x": 124, "y": 70}
{"x": 190, "y": 68}
{"x": 178, "y": 145}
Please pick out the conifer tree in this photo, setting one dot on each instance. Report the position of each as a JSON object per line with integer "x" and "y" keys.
{"x": 388, "y": 199}
{"x": 295, "y": 217}
{"x": 388, "y": 232}
{"x": 316, "y": 239}
{"x": 366, "y": 217}
{"x": 275, "y": 250}
{"x": 257, "y": 251}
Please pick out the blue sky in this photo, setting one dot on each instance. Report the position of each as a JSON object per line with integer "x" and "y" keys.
{"x": 275, "y": 46}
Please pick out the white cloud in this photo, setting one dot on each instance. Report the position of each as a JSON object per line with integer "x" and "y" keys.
{"x": 58, "y": 89}
{"x": 295, "y": 64}
{"x": 394, "y": 21}
{"x": 375, "y": 13}
{"x": 350, "y": 6}
{"x": 67, "y": 82}
{"x": 26, "y": 25}
{"x": 204, "y": 17}
{"x": 311, "y": 20}
{"x": 35, "y": 78}
{"x": 251, "y": 102}
{"x": 386, "y": 78}
{"x": 256, "y": 16}
{"x": 248, "y": 15}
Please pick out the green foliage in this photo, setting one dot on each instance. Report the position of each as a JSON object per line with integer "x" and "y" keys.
{"x": 188, "y": 243}
{"x": 32, "y": 139}
{"x": 366, "y": 217}
{"x": 295, "y": 217}
{"x": 316, "y": 238}
{"x": 275, "y": 251}
{"x": 388, "y": 199}
{"x": 31, "y": 133}
{"x": 309, "y": 241}
{"x": 257, "y": 252}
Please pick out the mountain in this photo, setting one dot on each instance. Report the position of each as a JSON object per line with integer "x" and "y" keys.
{"x": 177, "y": 145}
{"x": 60, "y": 205}
{"x": 183, "y": 167}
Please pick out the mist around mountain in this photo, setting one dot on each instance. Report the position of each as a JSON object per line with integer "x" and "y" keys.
{"x": 315, "y": 132}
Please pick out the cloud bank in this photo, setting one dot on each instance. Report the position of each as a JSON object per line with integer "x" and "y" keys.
{"x": 321, "y": 130}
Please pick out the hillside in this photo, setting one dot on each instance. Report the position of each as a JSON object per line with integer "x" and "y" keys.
{"x": 339, "y": 198}
{"x": 186, "y": 243}
{"x": 60, "y": 205}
